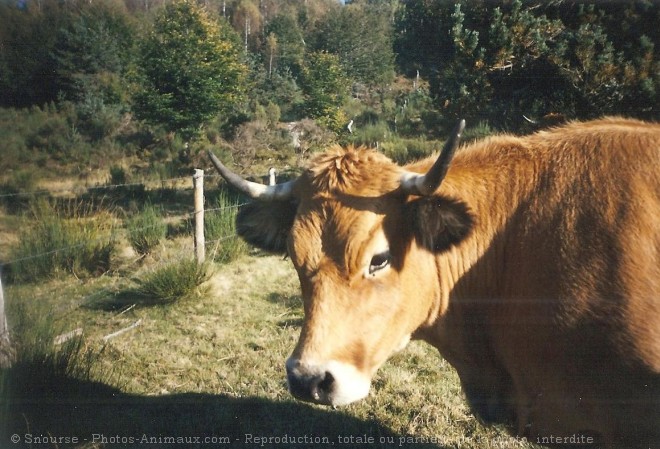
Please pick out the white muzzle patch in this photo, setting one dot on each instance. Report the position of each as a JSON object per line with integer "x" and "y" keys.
{"x": 330, "y": 383}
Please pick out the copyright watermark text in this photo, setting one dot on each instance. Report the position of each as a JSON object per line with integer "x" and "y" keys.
{"x": 100, "y": 438}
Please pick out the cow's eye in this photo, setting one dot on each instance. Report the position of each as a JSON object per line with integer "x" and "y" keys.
{"x": 380, "y": 261}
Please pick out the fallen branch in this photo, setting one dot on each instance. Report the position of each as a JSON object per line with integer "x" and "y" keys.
{"x": 122, "y": 331}
{"x": 68, "y": 336}
{"x": 127, "y": 309}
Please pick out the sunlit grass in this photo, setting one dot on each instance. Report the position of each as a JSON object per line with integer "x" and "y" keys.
{"x": 227, "y": 348}
{"x": 146, "y": 230}
{"x": 220, "y": 229}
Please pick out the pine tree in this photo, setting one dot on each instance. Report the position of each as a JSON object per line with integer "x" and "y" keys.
{"x": 527, "y": 58}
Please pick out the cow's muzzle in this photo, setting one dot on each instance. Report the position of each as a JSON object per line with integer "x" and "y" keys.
{"x": 332, "y": 383}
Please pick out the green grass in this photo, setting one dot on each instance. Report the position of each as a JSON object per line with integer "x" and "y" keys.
{"x": 174, "y": 281}
{"x": 220, "y": 229}
{"x": 62, "y": 239}
{"x": 214, "y": 367}
{"x": 146, "y": 230}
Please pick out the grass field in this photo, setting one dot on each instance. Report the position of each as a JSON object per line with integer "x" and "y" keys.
{"x": 205, "y": 371}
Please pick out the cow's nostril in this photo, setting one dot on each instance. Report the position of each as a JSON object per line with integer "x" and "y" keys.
{"x": 322, "y": 386}
{"x": 326, "y": 384}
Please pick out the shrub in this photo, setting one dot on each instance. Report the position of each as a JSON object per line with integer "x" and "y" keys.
{"x": 159, "y": 171}
{"x": 169, "y": 283}
{"x": 273, "y": 114}
{"x": 59, "y": 137}
{"x": 371, "y": 134}
{"x": 117, "y": 175}
{"x": 79, "y": 244}
{"x": 146, "y": 230}
{"x": 481, "y": 130}
{"x": 502, "y": 60}
{"x": 403, "y": 151}
{"x": 13, "y": 193}
{"x": 220, "y": 229}
{"x": 310, "y": 137}
{"x": 24, "y": 180}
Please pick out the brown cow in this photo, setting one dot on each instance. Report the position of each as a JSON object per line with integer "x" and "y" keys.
{"x": 531, "y": 263}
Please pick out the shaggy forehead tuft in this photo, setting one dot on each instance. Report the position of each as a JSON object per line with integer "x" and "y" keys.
{"x": 353, "y": 170}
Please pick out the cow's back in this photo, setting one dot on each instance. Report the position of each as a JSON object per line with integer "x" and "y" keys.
{"x": 599, "y": 210}
{"x": 568, "y": 338}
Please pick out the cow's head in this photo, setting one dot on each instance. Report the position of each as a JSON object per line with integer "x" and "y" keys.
{"x": 361, "y": 232}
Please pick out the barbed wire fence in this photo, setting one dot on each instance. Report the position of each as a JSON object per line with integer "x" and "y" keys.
{"x": 198, "y": 237}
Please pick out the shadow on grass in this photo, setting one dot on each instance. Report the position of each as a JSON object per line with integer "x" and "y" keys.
{"x": 117, "y": 300}
{"x": 100, "y": 416}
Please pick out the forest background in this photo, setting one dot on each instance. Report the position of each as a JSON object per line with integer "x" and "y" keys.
{"x": 98, "y": 85}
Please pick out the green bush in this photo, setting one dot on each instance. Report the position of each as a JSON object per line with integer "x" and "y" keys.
{"x": 169, "y": 283}
{"x": 371, "y": 134}
{"x": 117, "y": 175}
{"x": 403, "y": 151}
{"x": 14, "y": 190}
{"x": 78, "y": 244}
{"x": 24, "y": 180}
{"x": 220, "y": 230}
{"x": 146, "y": 230}
{"x": 159, "y": 171}
{"x": 268, "y": 115}
{"x": 66, "y": 132}
{"x": 479, "y": 131}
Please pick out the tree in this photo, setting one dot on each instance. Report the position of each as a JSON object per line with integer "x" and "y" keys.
{"x": 503, "y": 61}
{"x": 27, "y": 36}
{"x": 189, "y": 70}
{"x": 463, "y": 83}
{"x": 421, "y": 42}
{"x": 93, "y": 50}
{"x": 290, "y": 50}
{"x": 361, "y": 35}
{"x": 247, "y": 18}
{"x": 325, "y": 88}
{"x": 271, "y": 50}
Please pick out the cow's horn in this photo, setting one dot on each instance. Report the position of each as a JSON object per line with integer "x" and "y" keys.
{"x": 252, "y": 189}
{"x": 416, "y": 184}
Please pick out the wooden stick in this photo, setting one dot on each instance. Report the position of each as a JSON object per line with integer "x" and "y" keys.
{"x": 122, "y": 331}
{"x": 68, "y": 336}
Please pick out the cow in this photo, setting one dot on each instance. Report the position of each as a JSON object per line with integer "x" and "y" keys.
{"x": 531, "y": 263}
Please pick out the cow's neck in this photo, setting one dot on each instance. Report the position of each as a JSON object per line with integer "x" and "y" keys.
{"x": 494, "y": 186}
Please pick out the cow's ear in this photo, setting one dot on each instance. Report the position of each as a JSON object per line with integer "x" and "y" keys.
{"x": 266, "y": 225}
{"x": 440, "y": 222}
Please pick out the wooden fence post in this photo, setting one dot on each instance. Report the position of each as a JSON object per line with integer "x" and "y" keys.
{"x": 200, "y": 244}
{"x": 6, "y": 351}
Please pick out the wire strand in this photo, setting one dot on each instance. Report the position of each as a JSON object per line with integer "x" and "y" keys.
{"x": 114, "y": 236}
{"x": 81, "y": 189}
